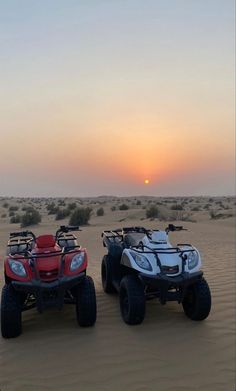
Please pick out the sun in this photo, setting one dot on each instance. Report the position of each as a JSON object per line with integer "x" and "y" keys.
{"x": 146, "y": 181}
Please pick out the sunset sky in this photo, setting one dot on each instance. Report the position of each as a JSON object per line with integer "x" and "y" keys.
{"x": 96, "y": 96}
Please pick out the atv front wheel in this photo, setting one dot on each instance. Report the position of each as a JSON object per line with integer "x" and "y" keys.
{"x": 197, "y": 300}
{"x": 132, "y": 300}
{"x": 86, "y": 308}
{"x": 11, "y": 306}
{"x": 106, "y": 272}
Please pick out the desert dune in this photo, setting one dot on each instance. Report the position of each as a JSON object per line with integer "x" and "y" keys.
{"x": 168, "y": 352}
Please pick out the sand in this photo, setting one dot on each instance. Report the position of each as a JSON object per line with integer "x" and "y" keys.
{"x": 168, "y": 352}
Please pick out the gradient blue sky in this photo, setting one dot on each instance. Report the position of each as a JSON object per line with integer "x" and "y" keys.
{"x": 96, "y": 96}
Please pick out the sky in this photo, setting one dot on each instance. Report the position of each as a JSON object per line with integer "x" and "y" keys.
{"x": 98, "y": 95}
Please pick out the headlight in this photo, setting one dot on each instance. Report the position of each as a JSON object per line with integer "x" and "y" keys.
{"x": 142, "y": 261}
{"x": 17, "y": 268}
{"x": 192, "y": 259}
{"x": 77, "y": 261}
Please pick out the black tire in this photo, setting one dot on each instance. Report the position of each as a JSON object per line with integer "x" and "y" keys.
{"x": 106, "y": 274}
{"x": 11, "y": 306}
{"x": 197, "y": 300}
{"x": 86, "y": 307}
{"x": 132, "y": 300}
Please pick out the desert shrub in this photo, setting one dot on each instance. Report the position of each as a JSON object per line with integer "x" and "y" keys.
{"x": 80, "y": 216}
{"x": 207, "y": 206}
{"x": 71, "y": 206}
{"x": 62, "y": 213}
{"x": 138, "y": 202}
{"x": 25, "y": 207}
{"x": 195, "y": 209}
{"x": 176, "y": 207}
{"x": 214, "y": 215}
{"x": 52, "y": 209}
{"x": 181, "y": 216}
{"x": 15, "y": 219}
{"x": 123, "y": 207}
{"x": 4, "y": 215}
{"x": 61, "y": 203}
{"x": 113, "y": 208}
{"x": 5, "y": 205}
{"x": 100, "y": 212}
{"x": 31, "y": 217}
{"x": 13, "y": 208}
{"x": 11, "y": 213}
{"x": 152, "y": 212}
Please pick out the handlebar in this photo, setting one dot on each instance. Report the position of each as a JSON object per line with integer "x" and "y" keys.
{"x": 172, "y": 228}
{"x": 66, "y": 229}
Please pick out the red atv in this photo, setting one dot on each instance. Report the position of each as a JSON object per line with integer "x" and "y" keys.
{"x": 42, "y": 272}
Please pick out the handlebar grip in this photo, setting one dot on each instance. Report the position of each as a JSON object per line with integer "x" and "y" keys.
{"x": 67, "y": 228}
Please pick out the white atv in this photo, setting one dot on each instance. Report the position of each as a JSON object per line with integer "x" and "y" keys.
{"x": 142, "y": 264}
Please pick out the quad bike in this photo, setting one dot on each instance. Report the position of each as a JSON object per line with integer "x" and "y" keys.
{"x": 141, "y": 264}
{"x": 43, "y": 272}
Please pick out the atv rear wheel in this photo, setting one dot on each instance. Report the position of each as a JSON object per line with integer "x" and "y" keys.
{"x": 86, "y": 308}
{"x": 11, "y": 306}
{"x": 197, "y": 301}
{"x": 106, "y": 272}
{"x": 132, "y": 300}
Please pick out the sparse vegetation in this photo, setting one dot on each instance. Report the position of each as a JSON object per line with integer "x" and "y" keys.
{"x": 62, "y": 214}
{"x": 152, "y": 212}
{"x": 195, "y": 209}
{"x": 31, "y": 217}
{"x": 80, "y": 216}
{"x": 13, "y": 208}
{"x": 15, "y": 219}
{"x": 52, "y": 208}
{"x": 176, "y": 207}
{"x": 71, "y": 206}
{"x": 100, "y": 212}
{"x": 214, "y": 215}
{"x": 123, "y": 207}
{"x": 182, "y": 216}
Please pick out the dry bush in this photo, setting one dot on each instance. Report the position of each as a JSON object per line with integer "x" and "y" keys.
{"x": 31, "y": 217}
{"x": 152, "y": 212}
{"x": 80, "y": 216}
{"x": 123, "y": 207}
{"x": 100, "y": 212}
{"x": 15, "y": 219}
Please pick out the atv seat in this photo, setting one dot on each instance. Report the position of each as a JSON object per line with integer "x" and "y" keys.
{"x": 45, "y": 241}
{"x": 133, "y": 239}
